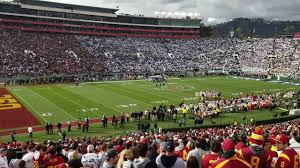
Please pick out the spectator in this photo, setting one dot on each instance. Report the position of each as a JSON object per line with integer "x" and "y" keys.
{"x": 3, "y": 159}
{"x": 197, "y": 152}
{"x": 209, "y": 158}
{"x": 91, "y": 159}
{"x": 74, "y": 161}
{"x": 128, "y": 159}
{"x": 128, "y": 145}
{"x": 102, "y": 153}
{"x": 287, "y": 155}
{"x": 192, "y": 162}
{"x": 28, "y": 157}
{"x": 230, "y": 158}
{"x": 142, "y": 161}
{"x": 170, "y": 159}
{"x": 51, "y": 159}
{"x": 111, "y": 159}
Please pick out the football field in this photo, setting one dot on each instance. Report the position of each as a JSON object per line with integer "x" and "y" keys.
{"x": 36, "y": 105}
{"x": 53, "y": 103}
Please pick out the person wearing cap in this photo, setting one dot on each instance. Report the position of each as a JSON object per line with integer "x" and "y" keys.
{"x": 112, "y": 158}
{"x": 209, "y": 158}
{"x": 255, "y": 154}
{"x": 91, "y": 159}
{"x": 288, "y": 157}
{"x": 3, "y": 158}
{"x": 197, "y": 152}
{"x": 170, "y": 159}
{"x": 230, "y": 158}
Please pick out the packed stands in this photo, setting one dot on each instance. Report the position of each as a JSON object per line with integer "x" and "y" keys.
{"x": 279, "y": 143}
{"x": 39, "y": 54}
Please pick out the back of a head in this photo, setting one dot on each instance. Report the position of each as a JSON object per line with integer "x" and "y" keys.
{"x": 103, "y": 147}
{"x": 215, "y": 146}
{"x": 198, "y": 143}
{"x": 22, "y": 164}
{"x": 52, "y": 150}
{"x": 142, "y": 149}
{"x": 128, "y": 145}
{"x": 30, "y": 148}
{"x": 192, "y": 162}
{"x": 90, "y": 149}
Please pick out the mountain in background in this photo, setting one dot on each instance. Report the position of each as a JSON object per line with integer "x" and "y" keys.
{"x": 258, "y": 27}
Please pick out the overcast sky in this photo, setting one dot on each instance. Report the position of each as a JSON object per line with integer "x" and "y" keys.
{"x": 222, "y": 9}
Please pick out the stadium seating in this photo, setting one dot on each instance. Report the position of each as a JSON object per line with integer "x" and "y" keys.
{"x": 39, "y": 54}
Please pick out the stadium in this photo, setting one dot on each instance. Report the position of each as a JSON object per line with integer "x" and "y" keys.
{"x": 85, "y": 86}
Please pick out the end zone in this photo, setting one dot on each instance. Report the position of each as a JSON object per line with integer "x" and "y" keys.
{"x": 12, "y": 112}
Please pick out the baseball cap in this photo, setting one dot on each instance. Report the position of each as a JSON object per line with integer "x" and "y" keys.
{"x": 228, "y": 144}
{"x": 282, "y": 138}
{"x": 169, "y": 146}
{"x": 111, "y": 153}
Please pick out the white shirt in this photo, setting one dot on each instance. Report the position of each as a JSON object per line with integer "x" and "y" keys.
{"x": 28, "y": 158}
{"x": 90, "y": 160}
{"x": 29, "y": 129}
{"x": 198, "y": 154}
{"x": 3, "y": 162}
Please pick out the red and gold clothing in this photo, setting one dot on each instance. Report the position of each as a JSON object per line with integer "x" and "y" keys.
{"x": 185, "y": 153}
{"x": 273, "y": 156}
{"x": 209, "y": 159}
{"x": 289, "y": 158}
{"x": 53, "y": 161}
{"x": 233, "y": 162}
{"x": 255, "y": 160}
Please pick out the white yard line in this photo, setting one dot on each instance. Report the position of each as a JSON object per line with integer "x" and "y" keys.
{"x": 73, "y": 101}
{"x": 28, "y": 104}
{"x": 56, "y": 106}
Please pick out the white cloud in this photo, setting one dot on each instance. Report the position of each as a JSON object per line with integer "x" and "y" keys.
{"x": 208, "y": 8}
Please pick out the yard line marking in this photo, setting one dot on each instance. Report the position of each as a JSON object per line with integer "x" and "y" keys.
{"x": 134, "y": 99}
{"x": 55, "y": 105}
{"x": 28, "y": 104}
{"x": 150, "y": 92}
{"x": 88, "y": 98}
{"x": 72, "y": 101}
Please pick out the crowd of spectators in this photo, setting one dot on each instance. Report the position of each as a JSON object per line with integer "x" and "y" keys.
{"x": 194, "y": 148}
{"x": 39, "y": 54}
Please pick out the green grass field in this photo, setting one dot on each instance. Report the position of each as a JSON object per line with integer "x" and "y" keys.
{"x": 63, "y": 102}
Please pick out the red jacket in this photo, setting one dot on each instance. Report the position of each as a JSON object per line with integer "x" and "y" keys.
{"x": 53, "y": 161}
{"x": 233, "y": 162}
{"x": 289, "y": 158}
{"x": 259, "y": 159}
{"x": 209, "y": 159}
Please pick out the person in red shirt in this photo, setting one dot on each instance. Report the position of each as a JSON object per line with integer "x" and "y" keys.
{"x": 209, "y": 158}
{"x": 288, "y": 157}
{"x": 255, "y": 154}
{"x": 230, "y": 158}
{"x": 269, "y": 146}
{"x": 51, "y": 159}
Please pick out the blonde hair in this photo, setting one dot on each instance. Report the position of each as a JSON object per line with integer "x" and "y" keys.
{"x": 129, "y": 155}
{"x": 75, "y": 154}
